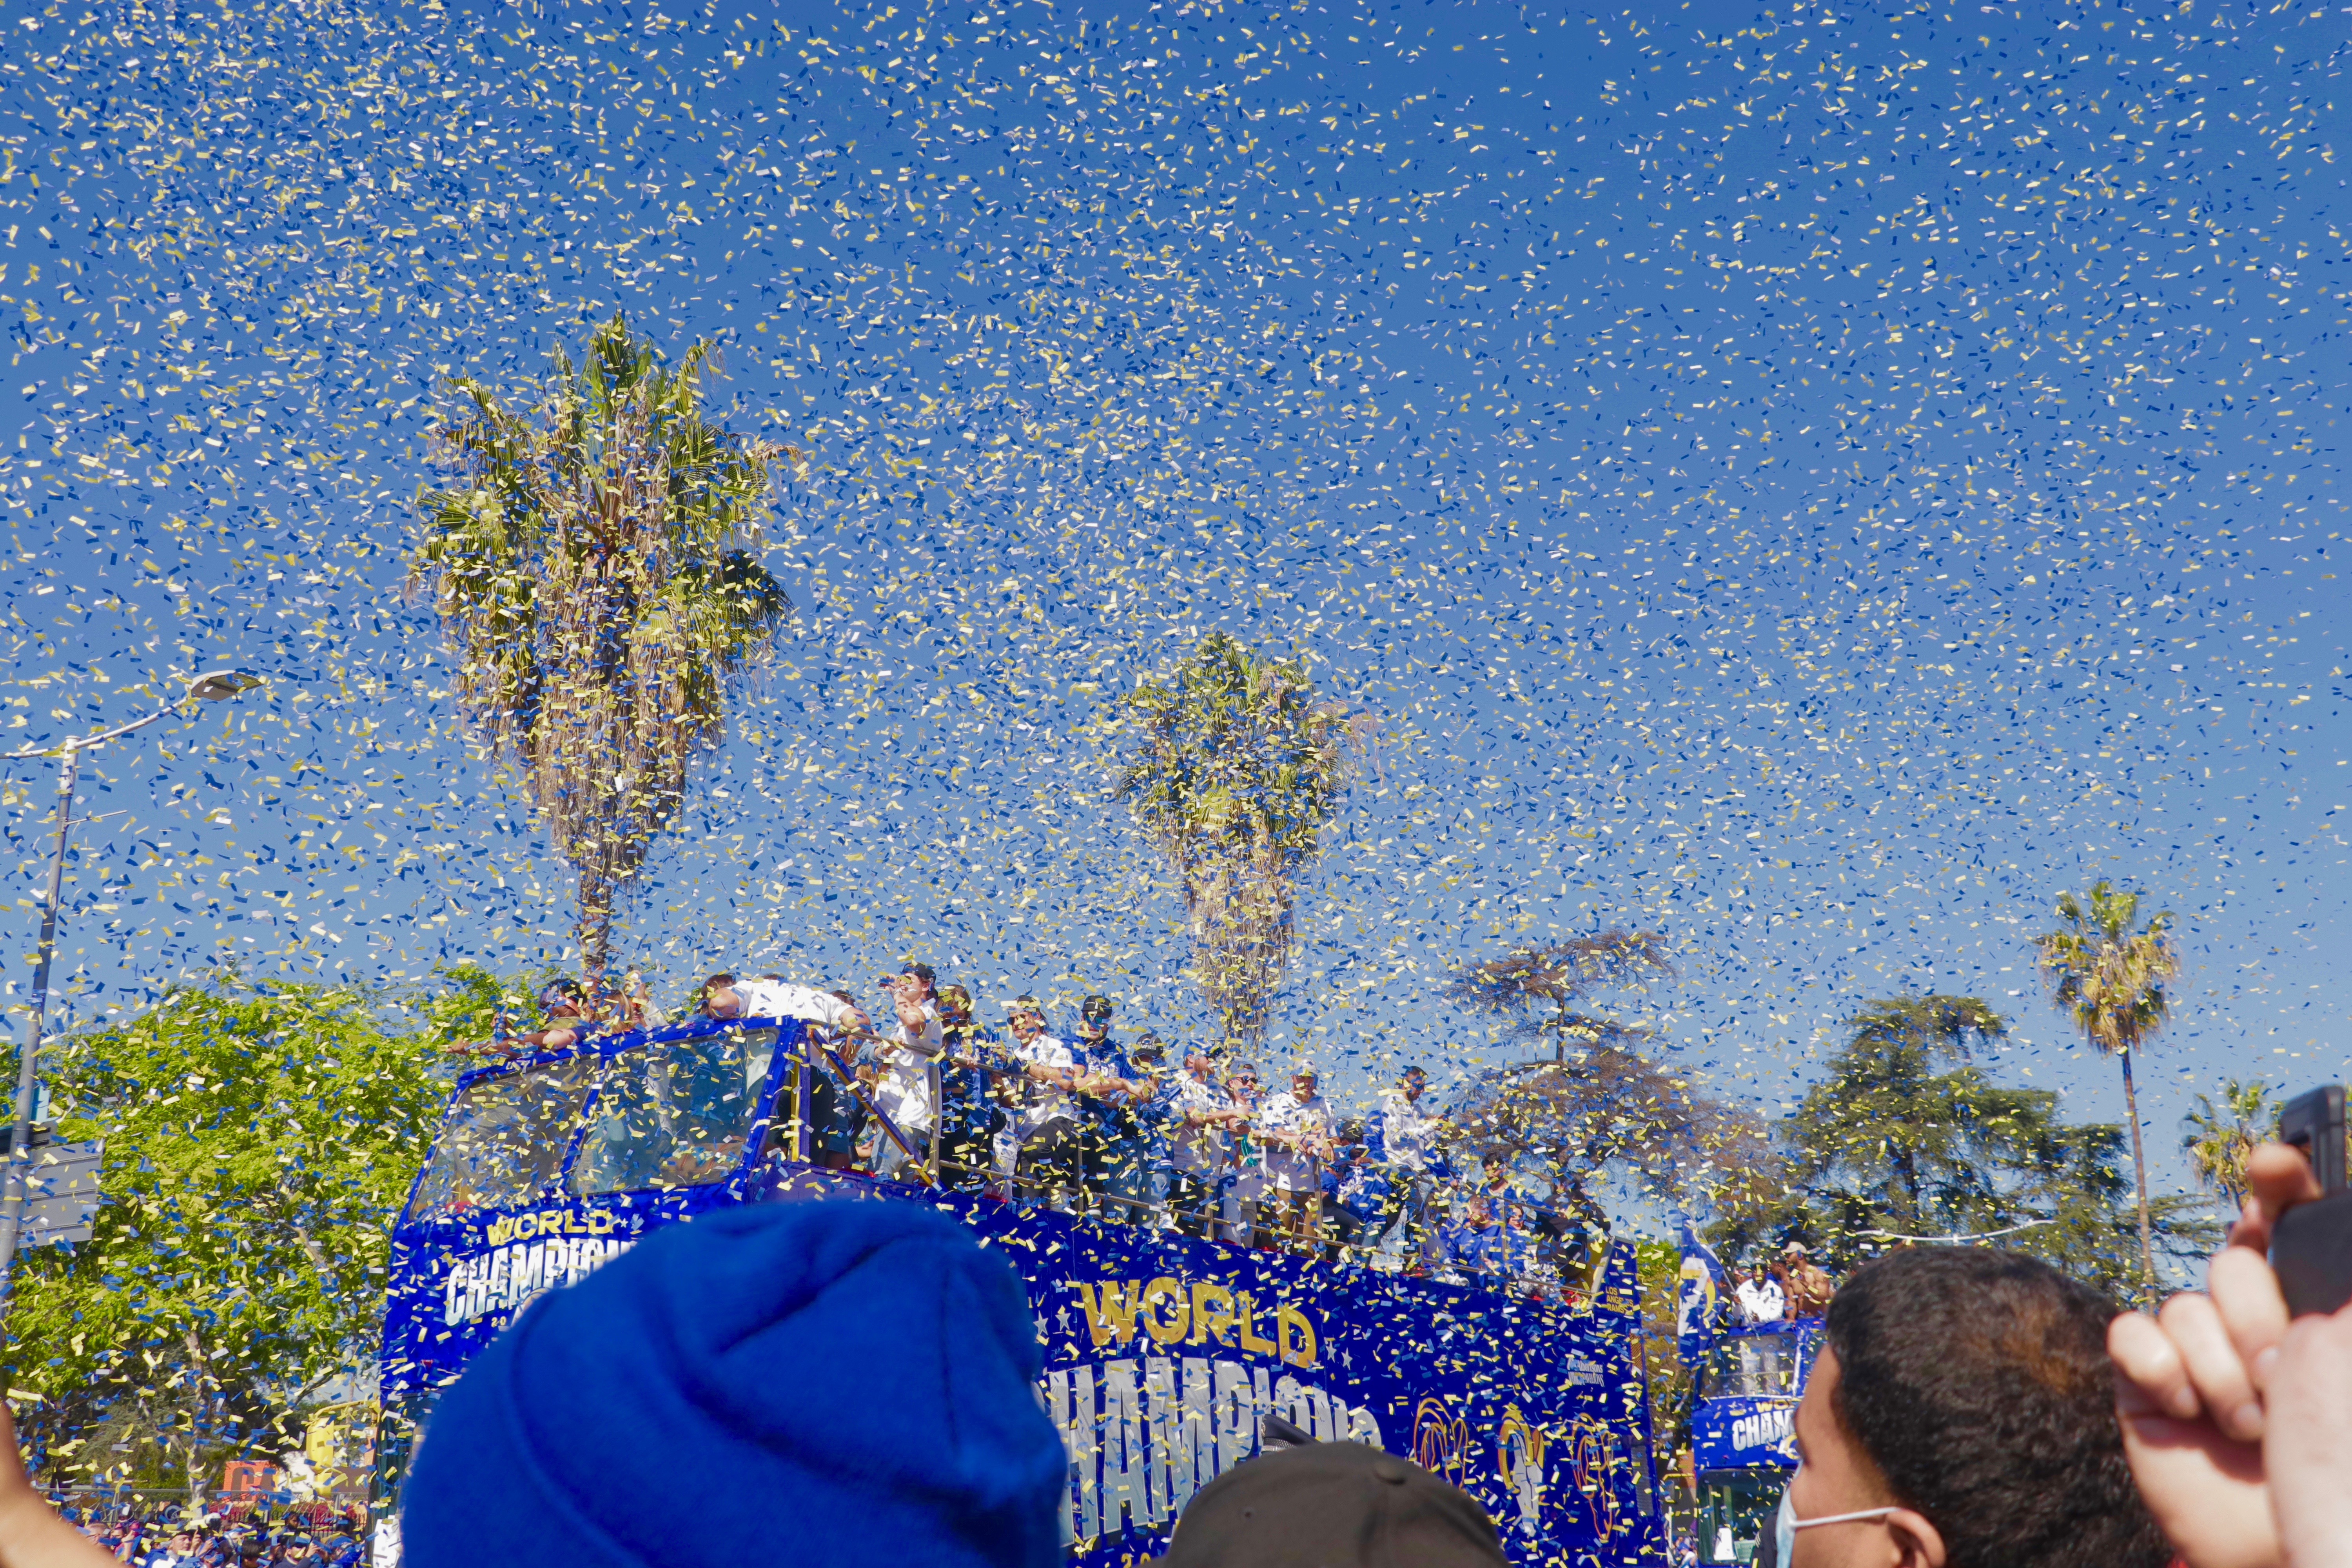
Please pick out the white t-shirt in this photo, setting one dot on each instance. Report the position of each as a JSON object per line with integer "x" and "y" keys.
{"x": 1047, "y": 1102}
{"x": 1406, "y": 1132}
{"x": 1198, "y": 1150}
{"x": 1287, "y": 1169}
{"x": 783, "y": 999}
{"x": 904, "y": 1092}
{"x": 1761, "y": 1299}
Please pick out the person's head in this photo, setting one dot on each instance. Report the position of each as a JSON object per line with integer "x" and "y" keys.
{"x": 1414, "y": 1082}
{"x": 690, "y": 1354}
{"x": 1094, "y": 1018}
{"x": 1027, "y": 1019}
{"x": 1306, "y": 1504}
{"x": 1147, "y": 1053}
{"x": 1351, "y": 1139}
{"x": 561, "y": 999}
{"x": 1243, "y": 1079}
{"x": 1794, "y": 1254}
{"x": 1201, "y": 1065}
{"x": 720, "y": 998}
{"x": 915, "y": 983}
{"x": 955, "y": 1004}
{"x": 1963, "y": 1402}
{"x": 1498, "y": 1176}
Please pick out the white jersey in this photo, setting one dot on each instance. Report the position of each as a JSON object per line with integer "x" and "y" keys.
{"x": 903, "y": 1094}
{"x": 783, "y": 999}
{"x": 1202, "y": 1149}
{"x": 1407, "y": 1131}
{"x": 1760, "y": 1301}
{"x": 1046, "y": 1103}
{"x": 1308, "y": 1121}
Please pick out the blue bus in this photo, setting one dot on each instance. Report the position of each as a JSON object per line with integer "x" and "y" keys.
{"x": 1743, "y": 1445}
{"x": 1164, "y": 1352}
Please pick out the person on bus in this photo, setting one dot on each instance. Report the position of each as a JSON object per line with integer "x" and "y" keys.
{"x": 1295, "y": 1127}
{"x": 1200, "y": 1133}
{"x": 1355, "y": 1193}
{"x": 1402, "y": 1136}
{"x": 903, "y": 1091}
{"x": 970, "y": 1112}
{"x": 1050, "y": 1165}
{"x": 564, "y": 1020}
{"x": 1243, "y": 1182}
{"x": 1809, "y": 1286}
{"x": 1106, "y": 1083}
{"x": 1760, "y": 1296}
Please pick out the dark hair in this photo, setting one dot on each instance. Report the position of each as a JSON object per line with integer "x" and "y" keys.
{"x": 1977, "y": 1383}
{"x": 921, "y": 971}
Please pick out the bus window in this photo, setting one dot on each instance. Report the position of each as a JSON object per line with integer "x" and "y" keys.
{"x": 674, "y": 1114}
{"x": 1753, "y": 1366}
{"x": 504, "y": 1139}
{"x": 1735, "y": 1510}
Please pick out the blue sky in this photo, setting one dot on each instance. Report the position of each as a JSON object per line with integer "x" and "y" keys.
{"x": 1813, "y": 481}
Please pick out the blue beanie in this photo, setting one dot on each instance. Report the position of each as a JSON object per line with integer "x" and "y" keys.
{"x": 835, "y": 1383}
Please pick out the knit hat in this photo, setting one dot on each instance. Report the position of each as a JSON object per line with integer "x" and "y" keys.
{"x": 853, "y": 1383}
{"x": 1331, "y": 1505}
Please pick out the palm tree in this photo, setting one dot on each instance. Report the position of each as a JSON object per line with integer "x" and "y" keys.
{"x": 2112, "y": 978}
{"x": 594, "y": 570}
{"x": 1232, "y": 768}
{"x": 2221, "y": 1135}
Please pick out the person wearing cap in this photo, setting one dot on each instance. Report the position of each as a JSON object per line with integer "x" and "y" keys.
{"x": 1402, "y": 1137}
{"x": 903, "y": 1089}
{"x": 858, "y": 1379}
{"x": 1105, "y": 1085}
{"x": 1355, "y": 1192}
{"x": 1294, "y": 1126}
{"x": 1202, "y": 1117}
{"x": 1305, "y": 1504}
{"x": 1809, "y": 1286}
{"x": 1050, "y": 1162}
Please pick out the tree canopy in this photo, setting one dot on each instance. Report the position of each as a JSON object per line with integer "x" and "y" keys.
{"x": 1906, "y": 1140}
{"x": 595, "y": 569}
{"x": 258, "y": 1143}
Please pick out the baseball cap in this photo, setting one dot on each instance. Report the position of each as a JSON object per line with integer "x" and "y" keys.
{"x": 557, "y": 993}
{"x": 1304, "y": 1504}
{"x": 1095, "y": 1009}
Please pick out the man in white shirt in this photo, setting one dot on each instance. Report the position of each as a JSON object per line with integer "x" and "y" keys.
{"x": 1295, "y": 1127}
{"x": 1052, "y": 1156}
{"x": 1201, "y": 1143}
{"x": 1759, "y": 1295}
{"x": 835, "y": 1115}
{"x": 1244, "y": 1182}
{"x": 1404, "y": 1137}
{"x": 909, "y": 1058}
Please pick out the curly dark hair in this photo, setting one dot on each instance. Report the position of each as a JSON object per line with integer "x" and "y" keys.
{"x": 1977, "y": 1381}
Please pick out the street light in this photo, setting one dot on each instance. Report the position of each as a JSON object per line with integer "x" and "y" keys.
{"x": 212, "y": 686}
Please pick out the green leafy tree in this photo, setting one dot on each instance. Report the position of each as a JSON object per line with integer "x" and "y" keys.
{"x": 1232, "y": 768}
{"x": 258, "y": 1145}
{"x": 2110, "y": 978}
{"x": 2221, "y": 1134}
{"x": 595, "y": 570}
{"x": 1905, "y": 1140}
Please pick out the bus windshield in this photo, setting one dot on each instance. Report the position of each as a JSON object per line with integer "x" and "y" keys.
{"x": 1753, "y": 1366}
{"x": 674, "y": 1114}
{"x": 504, "y": 1139}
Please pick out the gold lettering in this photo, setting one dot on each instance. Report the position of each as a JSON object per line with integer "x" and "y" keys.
{"x": 499, "y": 1230}
{"x": 526, "y": 1226}
{"x": 1212, "y": 1312}
{"x": 1298, "y": 1348}
{"x": 1251, "y": 1341}
{"x": 1112, "y": 1318}
{"x": 1163, "y": 1330}
{"x": 601, "y": 1222}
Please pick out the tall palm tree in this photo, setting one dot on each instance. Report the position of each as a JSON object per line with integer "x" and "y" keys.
{"x": 2220, "y": 1135}
{"x": 594, "y": 568}
{"x": 1232, "y": 768}
{"x": 2110, "y": 978}
{"x": 1558, "y": 975}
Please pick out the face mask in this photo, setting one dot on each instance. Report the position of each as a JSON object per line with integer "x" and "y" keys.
{"x": 1785, "y": 1525}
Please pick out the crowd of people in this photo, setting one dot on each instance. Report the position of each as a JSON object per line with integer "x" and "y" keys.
{"x": 1792, "y": 1287}
{"x": 169, "y": 1539}
{"x": 1129, "y": 1131}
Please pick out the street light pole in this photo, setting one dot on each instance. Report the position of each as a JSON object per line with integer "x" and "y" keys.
{"x": 210, "y": 686}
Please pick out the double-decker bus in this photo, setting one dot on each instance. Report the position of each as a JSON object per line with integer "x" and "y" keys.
{"x": 1743, "y": 1447}
{"x": 1164, "y": 1352}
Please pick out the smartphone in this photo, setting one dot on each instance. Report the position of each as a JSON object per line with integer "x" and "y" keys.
{"x": 2311, "y": 1246}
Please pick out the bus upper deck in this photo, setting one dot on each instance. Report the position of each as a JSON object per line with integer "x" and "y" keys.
{"x": 1743, "y": 1416}
{"x": 1164, "y": 1351}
